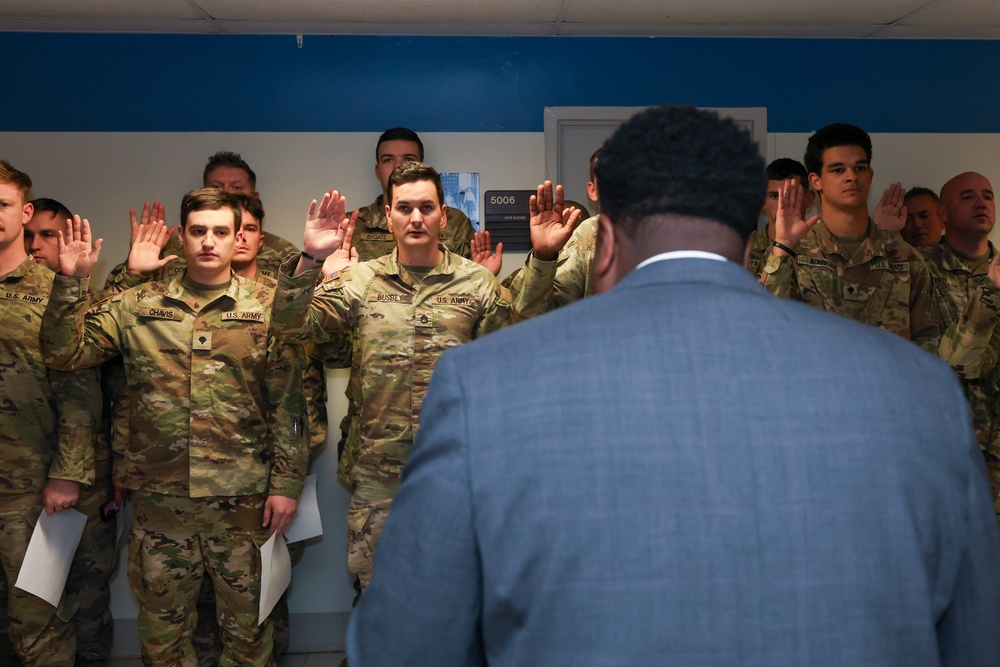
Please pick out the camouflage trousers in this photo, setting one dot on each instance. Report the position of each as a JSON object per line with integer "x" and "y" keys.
{"x": 366, "y": 517}
{"x": 40, "y": 633}
{"x": 208, "y": 643}
{"x": 174, "y": 543}
{"x": 88, "y": 587}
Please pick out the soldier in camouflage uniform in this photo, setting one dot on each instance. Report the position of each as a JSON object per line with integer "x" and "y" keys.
{"x": 215, "y": 459}
{"x": 46, "y": 433}
{"x": 777, "y": 173}
{"x": 406, "y": 309}
{"x": 966, "y": 271}
{"x": 88, "y": 585}
{"x": 840, "y": 261}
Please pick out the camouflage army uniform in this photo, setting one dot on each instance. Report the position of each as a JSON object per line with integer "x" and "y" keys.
{"x": 46, "y": 432}
{"x": 970, "y": 310}
{"x": 884, "y": 284}
{"x": 572, "y": 274}
{"x": 215, "y": 415}
{"x": 402, "y": 326}
{"x": 760, "y": 249}
{"x": 373, "y": 239}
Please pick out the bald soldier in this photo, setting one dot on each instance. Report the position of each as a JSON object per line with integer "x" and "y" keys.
{"x": 966, "y": 271}
{"x": 216, "y": 458}
{"x": 404, "y": 310}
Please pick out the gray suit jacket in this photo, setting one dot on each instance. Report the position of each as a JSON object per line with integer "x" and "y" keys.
{"x": 688, "y": 471}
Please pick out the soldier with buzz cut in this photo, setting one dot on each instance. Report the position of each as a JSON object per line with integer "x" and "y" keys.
{"x": 215, "y": 458}
{"x": 46, "y": 432}
{"x": 966, "y": 271}
{"x": 404, "y": 310}
{"x": 839, "y": 260}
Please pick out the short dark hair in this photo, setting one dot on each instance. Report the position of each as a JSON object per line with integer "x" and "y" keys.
{"x": 56, "y": 208}
{"x": 401, "y": 134}
{"x": 210, "y": 199}
{"x": 918, "y": 191}
{"x": 13, "y": 176}
{"x": 831, "y": 136}
{"x": 411, "y": 172}
{"x": 228, "y": 159}
{"x": 252, "y": 206}
{"x": 681, "y": 161}
{"x": 593, "y": 161}
{"x": 784, "y": 168}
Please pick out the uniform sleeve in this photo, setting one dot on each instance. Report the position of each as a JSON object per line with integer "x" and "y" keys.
{"x": 314, "y": 389}
{"x": 532, "y": 288}
{"x": 496, "y": 311}
{"x": 299, "y": 317}
{"x": 286, "y": 416}
{"x": 78, "y": 404}
{"x": 427, "y": 588}
{"x": 73, "y": 335}
{"x": 925, "y": 314}
{"x": 121, "y": 279}
{"x": 972, "y": 343}
{"x": 779, "y": 277}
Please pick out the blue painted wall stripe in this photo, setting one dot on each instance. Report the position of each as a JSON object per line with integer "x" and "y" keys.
{"x": 166, "y": 83}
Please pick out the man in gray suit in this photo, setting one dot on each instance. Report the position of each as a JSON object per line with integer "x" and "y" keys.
{"x": 685, "y": 470}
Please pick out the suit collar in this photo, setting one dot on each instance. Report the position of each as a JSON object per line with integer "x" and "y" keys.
{"x": 692, "y": 270}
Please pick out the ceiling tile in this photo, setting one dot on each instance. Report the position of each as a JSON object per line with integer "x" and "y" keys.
{"x": 384, "y": 11}
{"x": 98, "y": 9}
{"x": 739, "y": 12}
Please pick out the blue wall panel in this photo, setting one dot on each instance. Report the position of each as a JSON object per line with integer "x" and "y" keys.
{"x": 163, "y": 83}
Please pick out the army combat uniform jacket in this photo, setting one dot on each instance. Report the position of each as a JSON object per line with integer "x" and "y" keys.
{"x": 372, "y": 237}
{"x": 402, "y": 326}
{"x": 970, "y": 311}
{"x": 216, "y": 405}
{"x": 47, "y": 420}
{"x": 885, "y": 283}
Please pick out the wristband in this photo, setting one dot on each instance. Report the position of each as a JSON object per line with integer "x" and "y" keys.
{"x": 312, "y": 258}
{"x": 776, "y": 244}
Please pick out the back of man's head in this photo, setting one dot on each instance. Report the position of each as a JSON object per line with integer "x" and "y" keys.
{"x": 831, "y": 136}
{"x": 400, "y": 134}
{"x": 210, "y": 199}
{"x": 784, "y": 168}
{"x": 681, "y": 161}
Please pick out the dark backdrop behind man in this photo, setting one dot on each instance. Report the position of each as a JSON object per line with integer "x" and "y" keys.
{"x": 686, "y": 470}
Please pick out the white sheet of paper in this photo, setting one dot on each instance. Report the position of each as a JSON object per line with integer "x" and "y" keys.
{"x": 50, "y": 553}
{"x": 276, "y": 574}
{"x": 306, "y": 522}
